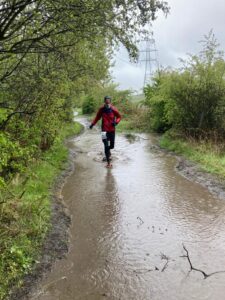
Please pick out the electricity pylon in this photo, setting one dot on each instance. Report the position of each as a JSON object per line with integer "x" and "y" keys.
{"x": 150, "y": 58}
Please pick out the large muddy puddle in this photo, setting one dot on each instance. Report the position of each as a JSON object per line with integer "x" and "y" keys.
{"x": 129, "y": 225}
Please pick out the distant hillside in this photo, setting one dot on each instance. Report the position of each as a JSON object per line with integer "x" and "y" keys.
{"x": 137, "y": 98}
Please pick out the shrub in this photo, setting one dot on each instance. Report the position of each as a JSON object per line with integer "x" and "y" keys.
{"x": 192, "y": 99}
{"x": 88, "y": 106}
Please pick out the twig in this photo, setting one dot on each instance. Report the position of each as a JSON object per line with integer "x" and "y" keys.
{"x": 45, "y": 287}
{"x": 163, "y": 256}
{"x": 142, "y": 271}
{"x": 21, "y": 195}
{"x": 165, "y": 266}
{"x": 140, "y": 219}
{"x": 198, "y": 270}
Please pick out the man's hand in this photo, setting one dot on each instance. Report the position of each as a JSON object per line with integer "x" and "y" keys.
{"x": 114, "y": 123}
{"x": 91, "y": 126}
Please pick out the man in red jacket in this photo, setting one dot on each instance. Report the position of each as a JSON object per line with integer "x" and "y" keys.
{"x": 110, "y": 118}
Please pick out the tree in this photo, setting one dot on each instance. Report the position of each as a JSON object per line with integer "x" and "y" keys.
{"x": 192, "y": 99}
{"x": 50, "y": 53}
{"x": 31, "y": 26}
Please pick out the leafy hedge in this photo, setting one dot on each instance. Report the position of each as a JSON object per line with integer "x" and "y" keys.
{"x": 191, "y": 100}
{"x": 25, "y": 210}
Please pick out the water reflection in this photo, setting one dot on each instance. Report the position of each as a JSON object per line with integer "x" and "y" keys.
{"x": 115, "y": 256}
{"x": 191, "y": 207}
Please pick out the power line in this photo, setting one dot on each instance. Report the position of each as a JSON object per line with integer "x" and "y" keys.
{"x": 123, "y": 60}
{"x": 126, "y": 61}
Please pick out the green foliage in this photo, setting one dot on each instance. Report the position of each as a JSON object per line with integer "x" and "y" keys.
{"x": 53, "y": 53}
{"x": 49, "y": 25}
{"x": 208, "y": 155}
{"x": 190, "y": 100}
{"x": 88, "y": 105}
{"x": 135, "y": 122}
{"x": 25, "y": 212}
{"x": 157, "y": 98}
{"x": 13, "y": 157}
{"x": 39, "y": 97}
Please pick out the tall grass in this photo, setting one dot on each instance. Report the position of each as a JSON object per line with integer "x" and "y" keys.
{"x": 210, "y": 156}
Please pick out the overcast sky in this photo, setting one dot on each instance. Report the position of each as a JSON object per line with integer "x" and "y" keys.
{"x": 175, "y": 36}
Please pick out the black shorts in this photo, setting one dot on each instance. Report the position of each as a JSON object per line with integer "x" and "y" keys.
{"x": 110, "y": 141}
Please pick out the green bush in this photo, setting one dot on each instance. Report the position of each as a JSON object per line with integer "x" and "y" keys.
{"x": 89, "y": 105}
{"x": 157, "y": 98}
{"x": 192, "y": 99}
{"x": 25, "y": 211}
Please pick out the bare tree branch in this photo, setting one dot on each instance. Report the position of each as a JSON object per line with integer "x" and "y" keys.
{"x": 205, "y": 275}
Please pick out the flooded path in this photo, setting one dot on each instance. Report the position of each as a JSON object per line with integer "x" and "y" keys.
{"x": 129, "y": 225}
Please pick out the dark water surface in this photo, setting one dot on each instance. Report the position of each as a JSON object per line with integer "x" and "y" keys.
{"x": 129, "y": 225}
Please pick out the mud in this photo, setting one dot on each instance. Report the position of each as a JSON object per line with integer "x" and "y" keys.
{"x": 140, "y": 231}
{"x": 192, "y": 171}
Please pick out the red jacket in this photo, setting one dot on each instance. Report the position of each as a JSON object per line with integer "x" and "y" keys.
{"x": 110, "y": 116}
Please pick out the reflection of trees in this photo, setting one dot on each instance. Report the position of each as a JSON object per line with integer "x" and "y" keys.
{"x": 189, "y": 204}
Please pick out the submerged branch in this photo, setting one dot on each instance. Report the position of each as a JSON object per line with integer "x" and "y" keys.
{"x": 198, "y": 270}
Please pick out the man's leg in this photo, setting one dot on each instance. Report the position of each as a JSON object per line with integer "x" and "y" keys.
{"x": 107, "y": 149}
{"x": 111, "y": 137}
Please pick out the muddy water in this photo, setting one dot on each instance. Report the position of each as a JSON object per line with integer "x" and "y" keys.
{"x": 128, "y": 227}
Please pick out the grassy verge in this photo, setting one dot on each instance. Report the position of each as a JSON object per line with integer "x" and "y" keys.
{"x": 125, "y": 126}
{"x": 25, "y": 213}
{"x": 209, "y": 156}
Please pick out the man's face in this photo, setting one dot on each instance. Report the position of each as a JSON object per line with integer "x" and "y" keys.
{"x": 107, "y": 102}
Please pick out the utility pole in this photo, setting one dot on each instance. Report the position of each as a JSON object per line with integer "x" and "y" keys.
{"x": 149, "y": 57}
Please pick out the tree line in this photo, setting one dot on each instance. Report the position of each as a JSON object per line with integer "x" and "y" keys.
{"x": 51, "y": 52}
{"x": 190, "y": 101}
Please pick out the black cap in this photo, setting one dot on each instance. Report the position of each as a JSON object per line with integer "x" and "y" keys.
{"x": 107, "y": 97}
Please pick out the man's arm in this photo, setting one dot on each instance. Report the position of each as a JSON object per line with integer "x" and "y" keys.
{"x": 97, "y": 118}
{"x": 118, "y": 115}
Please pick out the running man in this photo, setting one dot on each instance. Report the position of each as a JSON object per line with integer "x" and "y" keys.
{"x": 110, "y": 118}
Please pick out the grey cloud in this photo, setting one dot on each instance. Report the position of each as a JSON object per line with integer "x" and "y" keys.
{"x": 175, "y": 36}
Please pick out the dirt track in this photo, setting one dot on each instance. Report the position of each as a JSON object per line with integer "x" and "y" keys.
{"x": 129, "y": 225}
